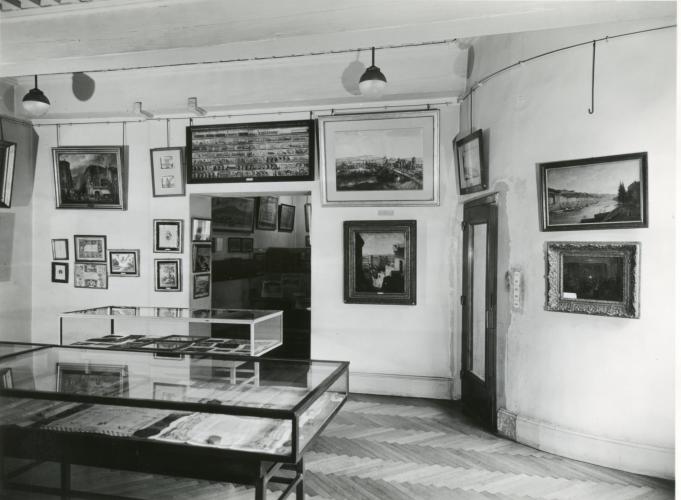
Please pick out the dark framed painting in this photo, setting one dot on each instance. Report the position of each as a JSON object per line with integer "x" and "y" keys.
{"x": 251, "y": 152}
{"x": 472, "y": 170}
{"x": 201, "y": 229}
{"x": 379, "y": 262}
{"x": 124, "y": 263}
{"x": 168, "y": 275}
{"x": 233, "y": 214}
{"x": 7, "y": 155}
{"x": 593, "y": 278}
{"x": 247, "y": 245}
{"x": 168, "y": 171}
{"x": 287, "y": 218}
{"x": 92, "y": 379}
{"x": 267, "y": 213}
{"x": 380, "y": 158}
{"x": 60, "y": 249}
{"x": 607, "y": 192}
{"x": 90, "y": 275}
{"x": 168, "y": 235}
{"x": 201, "y": 286}
{"x": 89, "y": 177}
{"x": 233, "y": 245}
{"x": 60, "y": 272}
{"x": 201, "y": 257}
{"x": 89, "y": 248}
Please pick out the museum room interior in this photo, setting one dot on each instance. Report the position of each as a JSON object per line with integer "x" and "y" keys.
{"x": 337, "y": 250}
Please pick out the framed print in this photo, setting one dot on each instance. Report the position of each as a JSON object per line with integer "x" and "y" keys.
{"x": 201, "y": 286}
{"x": 267, "y": 213}
{"x": 593, "y": 278}
{"x": 169, "y": 392}
{"x": 168, "y": 235}
{"x": 124, "y": 263}
{"x": 201, "y": 229}
{"x": 90, "y": 276}
{"x": 379, "y": 262}
{"x": 60, "y": 272}
{"x": 246, "y": 245}
{"x": 6, "y": 378}
{"x": 233, "y": 245}
{"x": 7, "y": 155}
{"x": 287, "y": 217}
{"x": 472, "y": 170}
{"x": 92, "y": 379}
{"x": 251, "y": 152}
{"x": 233, "y": 214}
{"x": 167, "y": 275}
{"x": 608, "y": 192}
{"x": 380, "y": 158}
{"x": 167, "y": 171}
{"x": 60, "y": 249}
{"x": 201, "y": 256}
{"x": 308, "y": 216}
{"x": 90, "y": 248}
{"x": 89, "y": 176}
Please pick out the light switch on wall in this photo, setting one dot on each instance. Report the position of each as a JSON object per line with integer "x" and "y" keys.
{"x": 515, "y": 282}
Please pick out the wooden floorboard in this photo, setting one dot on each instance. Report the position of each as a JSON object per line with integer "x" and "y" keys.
{"x": 386, "y": 448}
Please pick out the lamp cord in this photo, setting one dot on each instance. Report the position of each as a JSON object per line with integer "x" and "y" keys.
{"x": 593, "y": 77}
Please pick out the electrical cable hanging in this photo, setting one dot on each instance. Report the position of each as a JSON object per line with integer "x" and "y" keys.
{"x": 167, "y": 132}
{"x": 593, "y": 77}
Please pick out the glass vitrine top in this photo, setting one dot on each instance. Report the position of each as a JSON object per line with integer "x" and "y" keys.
{"x": 199, "y": 314}
{"x": 10, "y": 348}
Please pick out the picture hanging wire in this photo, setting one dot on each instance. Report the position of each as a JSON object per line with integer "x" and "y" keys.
{"x": 167, "y": 132}
{"x": 593, "y": 73}
{"x": 58, "y": 134}
{"x": 471, "y": 111}
{"x": 124, "y": 129}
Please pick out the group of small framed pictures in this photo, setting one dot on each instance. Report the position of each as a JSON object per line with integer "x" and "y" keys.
{"x": 168, "y": 235}
{"x": 239, "y": 245}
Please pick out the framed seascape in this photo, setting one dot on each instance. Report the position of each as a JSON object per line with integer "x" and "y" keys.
{"x": 472, "y": 171}
{"x": 380, "y": 158}
{"x": 251, "y": 152}
{"x": 594, "y": 193}
{"x": 7, "y": 155}
{"x": 89, "y": 177}
{"x": 233, "y": 214}
{"x": 379, "y": 262}
{"x": 124, "y": 263}
{"x": 593, "y": 278}
{"x": 167, "y": 171}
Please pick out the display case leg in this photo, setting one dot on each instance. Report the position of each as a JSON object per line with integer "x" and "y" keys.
{"x": 300, "y": 487}
{"x": 65, "y": 480}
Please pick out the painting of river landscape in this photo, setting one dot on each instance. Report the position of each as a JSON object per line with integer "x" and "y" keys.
{"x": 594, "y": 193}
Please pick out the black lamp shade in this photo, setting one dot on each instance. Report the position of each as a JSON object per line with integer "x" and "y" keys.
{"x": 36, "y": 95}
{"x": 372, "y": 73}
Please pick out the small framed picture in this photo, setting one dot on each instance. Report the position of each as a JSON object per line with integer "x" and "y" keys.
{"x": 471, "y": 168}
{"x": 6, "y": 380}
{"x": 201, "y": 229}
{"x": 60, "y": 249}
{"x": 308, "y": 216}
{"x": 201, "y": 256}
{"x": 124, "y": 263}
{"x": 168, "y": 275}
{"x": 201, "y": 286}
{"x": 7, "y": 153}
{"x": 233, "y": 245}
{"x": 168, "y": 235}
{"x": 246, "y": 245}
{"x": 169, "y": 392}
{"x": 267, "y": 213}
{"x": 60, "y": 272}
{"x": 287, "y": 217}
{"x": 168, "y": 171}
{"x": 90, "y": 276}
{"x": 90, "y": 248}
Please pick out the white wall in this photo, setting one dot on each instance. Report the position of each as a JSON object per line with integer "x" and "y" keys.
{"x": 572, "y": 377}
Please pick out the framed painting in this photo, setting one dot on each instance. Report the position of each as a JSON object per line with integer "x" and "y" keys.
{"x": 90, "y": 276}
{"x": 472, "y": 170}
{"x": 169, "y": 392}
{"x": 246, "y": 245}
{"x": 89, "y": 177}
{"x": 251, "y": 152}
{"x": 593, "y": 278}
{"x": 6, "y": 378}
{"x": 168, "y": 235}
{"x": 267, "y": 213}
{"x": 7, "y": 155}
{"x": 379, "y": 262}
{"x": 60, "y": 272}
{"x": 607, "y": 192}
{"x": 233, "y": 214}
{"x": 201, "y": 286}
{"x": 89, "y": 248}
{"x": 92, "y": 379}
{"x": 167, "y": 171}
{"x": 167, "y": 275}
{"x": 201, "y": 257}
{"x": 380, "y": 158}
{"x": 201, "y": 229}
{"x": 287, "y": 217}
{"x": 233, "y": 245}
{"x": 60, "y": 249}
{"x": 124, "y": 263}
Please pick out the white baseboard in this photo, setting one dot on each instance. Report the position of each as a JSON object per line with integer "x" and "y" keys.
{"x": 623, "y": 455}
{"x": 401, "y": 385}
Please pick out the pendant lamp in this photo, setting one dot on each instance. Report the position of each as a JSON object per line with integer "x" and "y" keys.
{"x": 35, "y": 102}
{"x": 373, "y": 82}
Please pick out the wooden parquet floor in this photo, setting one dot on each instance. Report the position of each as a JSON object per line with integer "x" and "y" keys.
{"x": 381, "y": 448}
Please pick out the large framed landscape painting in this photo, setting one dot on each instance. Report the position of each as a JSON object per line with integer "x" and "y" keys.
{"x": 235, "y": 215}
{"x": 380, "y": 262}
{"x": 594, "y": 193}
{"x": 380, "y": 158}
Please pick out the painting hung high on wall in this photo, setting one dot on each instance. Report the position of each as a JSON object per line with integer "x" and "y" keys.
{"x": 233, "y": 214}
{"x": 594, "y": 193}
{"x": 471, "y": 168}
{"x": 88, "y": 177}
{"x": 167, "y": 171}
{"x": 7, "y": 153}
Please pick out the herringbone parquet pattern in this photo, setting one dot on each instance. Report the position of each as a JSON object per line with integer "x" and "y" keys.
{"x": 381, "y": 448}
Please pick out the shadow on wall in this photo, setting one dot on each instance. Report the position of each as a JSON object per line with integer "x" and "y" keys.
{"x": 83, "y": 86}
{"x": 24, "y": 172}
{"x": 8, "y": 99}
{"x": 351, "y": 76}
{"x": 6, "y": 242}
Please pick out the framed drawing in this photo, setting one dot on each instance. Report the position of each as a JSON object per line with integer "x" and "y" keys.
{"x": 60, "y": 272}
{"x": 246, "y": 245}
{"x": 90, "y": 248}
{"x": 380, "y": 158}
{"x": 287, "y": 217}
{"x": 201, "y": 286}
{"x": 124, "y": 263}
{"x": 233, "y": 214}
{"x": 233, "y": 245}
{"x": 201, "y": 256}
{"x": 167, "y": 275}
{"x": 167, "y": 171}
{"x": 593, "y": 278}
{"x": 89, "y": 177}
{"x": 308, "y": 216}
{"x": 90, "y": 276}
{"x": 251, "y": 152}
{"x": 379, "y": 262}
{"x": 201, "y": 229}
{"x": 168, "y": 235}
{"x": 92, "y": 379}
{"x": 169, "y": 392}
{"x": 267, "y": 213}
{"x": 7, "y": 154}
{"x": 472, "y": 170}
{"x": 60, "y": 249}
{"x": 608, "y": 192}
{"x": 6, "y": 379}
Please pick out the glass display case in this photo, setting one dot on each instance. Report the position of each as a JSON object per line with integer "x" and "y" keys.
{"x": 199, "y": 415}
{"x": 250, "y": 332}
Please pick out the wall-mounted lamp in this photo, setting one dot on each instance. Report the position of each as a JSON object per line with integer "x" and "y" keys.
{"x": 193, "y": 106}
{"x": 35, "y": 102}
{"x": 373, "y": 82}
